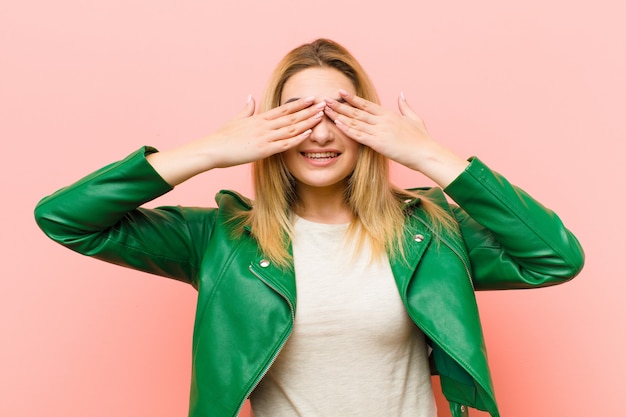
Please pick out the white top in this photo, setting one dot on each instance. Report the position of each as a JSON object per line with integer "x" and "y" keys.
{"x": 353, "y": 350}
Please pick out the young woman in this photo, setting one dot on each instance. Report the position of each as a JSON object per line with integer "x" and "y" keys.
{"x": 329, "y": 292}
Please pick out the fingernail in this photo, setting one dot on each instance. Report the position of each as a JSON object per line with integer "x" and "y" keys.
{"x": 402, "y": 96}
{"x": 249, "y": 99}
{"x": 318, "y": 115}
{"x": 343, "y": 92}
{"x": 309, "y": 99}
{"x": 320, "y": 106}
{"x": 329, "y": 100}
{"x": 307, "y": 132}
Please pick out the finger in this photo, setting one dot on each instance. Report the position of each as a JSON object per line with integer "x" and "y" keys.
{"x": 297, "y": 117}
{"x": 288, "y": 108}
{"x": 332, "y": 114}
{"x": 349, "y": 111}
{"x": 358, "y": 135}
{"x": 405, "y": 108}
{"x": 286, "y": 144}
{"x": 355, "y": 124}
{"x": 361, "y": 103}
{"x": 248, "y": 109}
{"x": 292, "y": 130}
{"x": 366, "y": 126}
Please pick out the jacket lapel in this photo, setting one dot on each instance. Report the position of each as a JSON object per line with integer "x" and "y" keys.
{"x": 280, "y": 279}
{"x": 415, "y": 241}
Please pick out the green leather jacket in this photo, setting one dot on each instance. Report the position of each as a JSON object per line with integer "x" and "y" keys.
{"x": 246, "y": 305}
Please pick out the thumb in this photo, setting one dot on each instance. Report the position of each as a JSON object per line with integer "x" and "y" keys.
{"x": 248, "y": 109}
{"x": 405, "y": 109}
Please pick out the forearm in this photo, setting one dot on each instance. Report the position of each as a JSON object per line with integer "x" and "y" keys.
{"x": 179, "y": 164}
{"x": 439, "y": 164}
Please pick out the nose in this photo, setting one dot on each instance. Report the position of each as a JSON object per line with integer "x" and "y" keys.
{"x": 322, "y": 133}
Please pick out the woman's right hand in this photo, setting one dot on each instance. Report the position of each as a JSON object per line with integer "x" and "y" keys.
{"x": 246, "y": 138}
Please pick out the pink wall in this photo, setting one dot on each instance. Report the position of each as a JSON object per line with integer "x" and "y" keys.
{"x": 537, "y": 89}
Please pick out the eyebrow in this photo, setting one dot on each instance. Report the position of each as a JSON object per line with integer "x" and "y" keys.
{"x": 340, "y": 100}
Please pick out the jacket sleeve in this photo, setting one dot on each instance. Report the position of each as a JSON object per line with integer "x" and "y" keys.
{"x": 512, "y": 240}
{"x": 100, "y": 216}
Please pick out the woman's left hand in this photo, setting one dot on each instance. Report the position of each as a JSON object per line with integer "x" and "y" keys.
{"x": 401, "y": 137}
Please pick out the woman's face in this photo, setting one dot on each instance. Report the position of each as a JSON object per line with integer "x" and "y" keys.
{"x": 327, "y": 157}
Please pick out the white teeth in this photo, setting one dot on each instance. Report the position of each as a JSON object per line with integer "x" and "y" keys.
{"x": 320, "y": 155}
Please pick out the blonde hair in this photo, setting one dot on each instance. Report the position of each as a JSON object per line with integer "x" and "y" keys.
{"x": 375, "y": 203}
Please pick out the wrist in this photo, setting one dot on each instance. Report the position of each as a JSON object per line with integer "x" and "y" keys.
{"x": 179, "y": 164}
{"x": 440, "y": 164}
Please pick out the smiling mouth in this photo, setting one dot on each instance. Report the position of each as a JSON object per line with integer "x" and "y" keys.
{"x": 320, "y": 156}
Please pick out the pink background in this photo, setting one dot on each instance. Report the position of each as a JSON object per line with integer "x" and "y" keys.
{"x": 536, "y": 88}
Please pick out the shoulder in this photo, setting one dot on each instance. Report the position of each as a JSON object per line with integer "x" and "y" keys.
{"x": 423, "y": 197}
{"x": 434, "y": 194}
{"x": 230, "y": 204}
{"x": 233, "y": 210}
{"x": 232, "y": 200}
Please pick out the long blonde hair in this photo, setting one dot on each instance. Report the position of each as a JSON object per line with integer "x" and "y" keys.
{"x": 375, "y": 203}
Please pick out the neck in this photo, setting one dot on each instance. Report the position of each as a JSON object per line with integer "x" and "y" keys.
{"x": 323, "y": 205}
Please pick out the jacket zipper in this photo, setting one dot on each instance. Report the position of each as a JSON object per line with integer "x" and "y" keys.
{"x": 469, "y": 276}
{"x": 467, "y": 271}
{"x": 435, "y": 340}
{"x": 280, "y": 346}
